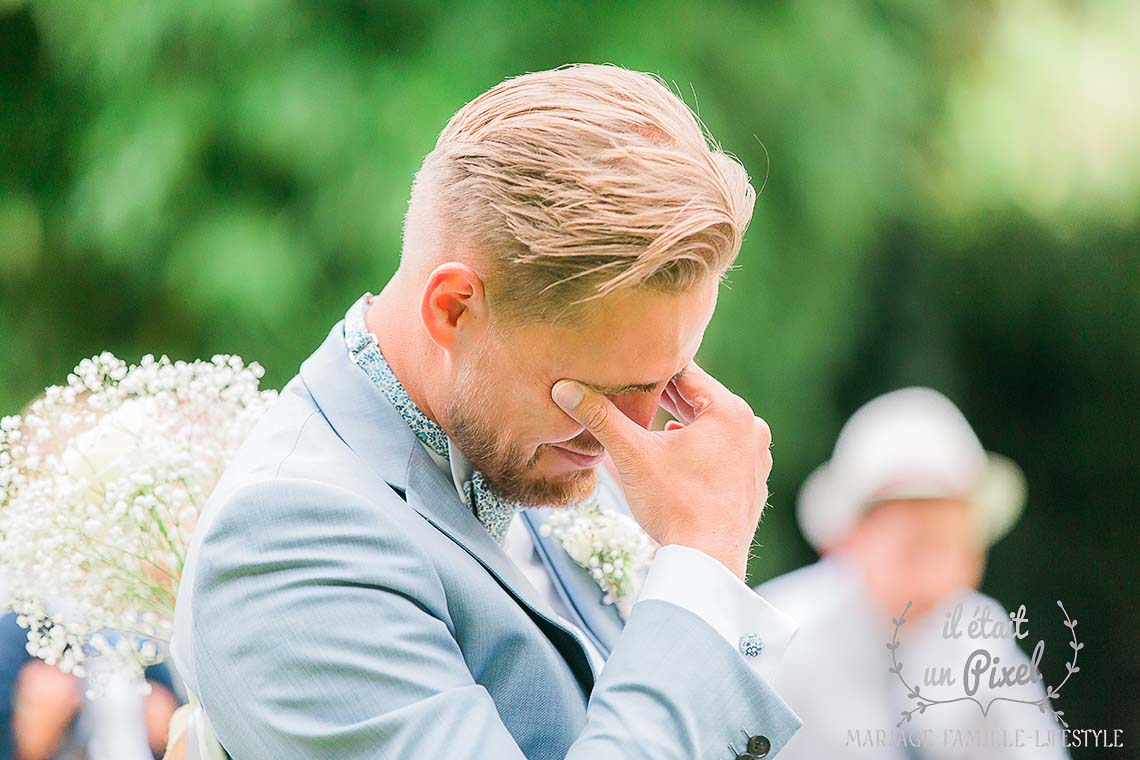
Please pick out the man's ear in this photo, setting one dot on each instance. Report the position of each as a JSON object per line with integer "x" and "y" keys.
{"x": 453, "y": 301}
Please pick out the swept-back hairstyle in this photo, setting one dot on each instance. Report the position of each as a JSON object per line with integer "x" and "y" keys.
{"x": 571, "y": 183}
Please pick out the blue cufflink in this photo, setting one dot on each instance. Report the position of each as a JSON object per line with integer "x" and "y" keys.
{"x": 750, "y": 645}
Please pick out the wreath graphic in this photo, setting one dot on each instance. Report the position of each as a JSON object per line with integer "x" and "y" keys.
{"x": 922, "y": 701}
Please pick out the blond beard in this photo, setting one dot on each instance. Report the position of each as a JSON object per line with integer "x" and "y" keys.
{"x": 505, "y": 466}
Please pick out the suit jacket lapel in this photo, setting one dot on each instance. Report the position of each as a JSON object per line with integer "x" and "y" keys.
{"x": 369, "y": 425}
{"x": 584, "y": 596}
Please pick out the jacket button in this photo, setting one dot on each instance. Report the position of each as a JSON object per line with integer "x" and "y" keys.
{"x": 746, "y": 757}
{"x": 759, "y": 746}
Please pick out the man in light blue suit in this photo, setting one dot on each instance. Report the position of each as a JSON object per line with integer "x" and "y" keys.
{"x": 372, "y": 579}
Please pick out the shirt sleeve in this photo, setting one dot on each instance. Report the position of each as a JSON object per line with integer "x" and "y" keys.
{"x": 693, "y": 580}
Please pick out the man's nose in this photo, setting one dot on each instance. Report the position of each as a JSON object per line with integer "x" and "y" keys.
{"x": 639, "y": 407}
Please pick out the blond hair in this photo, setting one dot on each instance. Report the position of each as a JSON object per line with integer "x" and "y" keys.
{"x": 571, "y": 183}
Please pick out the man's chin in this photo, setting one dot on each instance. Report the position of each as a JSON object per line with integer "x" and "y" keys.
{"x": 555, "y": 491}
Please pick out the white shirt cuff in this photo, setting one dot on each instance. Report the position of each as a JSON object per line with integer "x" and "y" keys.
{"x": 694, "y": 581}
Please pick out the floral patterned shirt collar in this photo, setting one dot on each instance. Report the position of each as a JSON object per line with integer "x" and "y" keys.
{"x": 493, "y": 511}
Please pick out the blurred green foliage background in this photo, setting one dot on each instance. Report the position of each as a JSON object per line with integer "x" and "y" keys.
{"x": 952, "y": 198}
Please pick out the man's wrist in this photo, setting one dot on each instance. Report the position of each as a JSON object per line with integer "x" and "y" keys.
{"x": 735, "y": 561}
{"x": 702, "y": 584}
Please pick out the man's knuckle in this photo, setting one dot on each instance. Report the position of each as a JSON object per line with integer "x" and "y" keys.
{"x": 595, "y": 416}
{"x": 763, "y": 430}
{"x": 735, "y": 405}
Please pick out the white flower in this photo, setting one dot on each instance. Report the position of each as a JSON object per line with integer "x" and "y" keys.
{"x": 611, "y": 546}
{"x": 116, "y": 445}
{"x": 101, "y": 483}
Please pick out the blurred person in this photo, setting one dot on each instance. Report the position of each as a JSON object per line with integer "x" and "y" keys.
{"x": 44, "y": 714}
{"x": 903, "y": 514}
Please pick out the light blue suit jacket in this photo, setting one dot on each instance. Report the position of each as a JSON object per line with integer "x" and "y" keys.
{"x": 340, "y": 601}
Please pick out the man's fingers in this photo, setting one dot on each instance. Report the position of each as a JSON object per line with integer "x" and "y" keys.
{"x": 696, "y": 391}
{"x": 598, "y": 414}
{"x": 679, "y": 410}
{"x": 697, "y": 388}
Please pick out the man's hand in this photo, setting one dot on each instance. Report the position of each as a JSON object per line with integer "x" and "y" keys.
{"x": 703, "y": 481}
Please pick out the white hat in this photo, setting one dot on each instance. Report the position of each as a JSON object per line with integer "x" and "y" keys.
{"x": 911, "y": 443}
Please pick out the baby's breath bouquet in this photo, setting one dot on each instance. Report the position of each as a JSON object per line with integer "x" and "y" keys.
{"x": 101, "y": 484}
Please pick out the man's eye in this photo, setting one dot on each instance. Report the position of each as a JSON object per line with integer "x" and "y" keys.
{"x": 634, "y": 392}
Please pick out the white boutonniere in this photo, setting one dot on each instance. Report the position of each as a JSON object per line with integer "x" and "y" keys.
{"x": 611, "y": 546}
